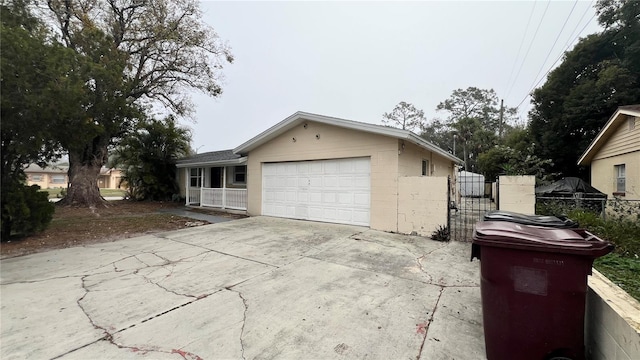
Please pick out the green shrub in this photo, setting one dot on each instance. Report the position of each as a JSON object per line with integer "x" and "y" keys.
{"x": 620, "y": 226}
{"x": 25, "y": 211}
{"x": 624, "y": 232}
{"x": 440, "y": 234}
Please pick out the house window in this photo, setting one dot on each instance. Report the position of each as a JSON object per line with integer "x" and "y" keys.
{"x": 36, "y": 178}
{"x": 57, "y": 179}
{"x": 240, "y": 175}
{"x": 620, "y": 178}
{"x": 196, "y": 177}
{"x": 631, "y": 120}
{"x": 425, "y": 167}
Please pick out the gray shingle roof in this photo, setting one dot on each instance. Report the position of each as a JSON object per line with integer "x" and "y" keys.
{"x": 212, "y": 156}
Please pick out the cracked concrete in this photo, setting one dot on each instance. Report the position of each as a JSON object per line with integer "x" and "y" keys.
{"x": 252, "y": 288}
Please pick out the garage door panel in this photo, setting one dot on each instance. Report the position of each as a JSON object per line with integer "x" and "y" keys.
{"x": 330, "y": 167}
{"x": 315, "y": 197}
{"x": 329, "y": 198}
{"x": 361, "y": 199}
{"x": 302, "y": 168}
{"x": 316, "y": 167}
{"x": 346, "y": 214}
{"x": 363, "y": 166}
{"x": 360, "y": 217}
{"x": 361, "y": 182}
{"x": 315, "y": 182}
{"x": 301, "y": 212}
{"x": 335, "y": 190}
{"x": 346, "y": 199}
{"x": 331, "y": 181}
{"x": 291, "y": 196}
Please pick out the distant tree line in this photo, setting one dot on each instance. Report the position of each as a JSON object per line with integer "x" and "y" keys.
{"x": 599, "y": 74}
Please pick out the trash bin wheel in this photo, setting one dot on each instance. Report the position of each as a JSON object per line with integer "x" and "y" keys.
{"x": 560, "y": 354}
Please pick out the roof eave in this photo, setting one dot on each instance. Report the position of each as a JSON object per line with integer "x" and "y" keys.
{"x": 431, "y": 147}
{"x": 299, "y": 116}
{"x": 237, "y": 161}
{"x": 589, "y": 153}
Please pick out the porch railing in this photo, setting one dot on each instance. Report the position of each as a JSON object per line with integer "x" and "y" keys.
{"x": 218, "y": 198}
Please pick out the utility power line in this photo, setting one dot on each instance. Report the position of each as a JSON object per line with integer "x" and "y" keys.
{"x": 555, "y": 42}
{"x": 529, "y": 48}
{"x": 524, "y": 36}
{"x": 556, "y": 61}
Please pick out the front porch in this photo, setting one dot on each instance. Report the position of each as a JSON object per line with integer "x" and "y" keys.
{"x": 215, "y": 180}
{"x": 222, "y": 198}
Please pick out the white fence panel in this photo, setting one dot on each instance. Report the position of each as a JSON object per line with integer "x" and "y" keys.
{"x": 194, "y": 196}
{"x": 236, "y": 199}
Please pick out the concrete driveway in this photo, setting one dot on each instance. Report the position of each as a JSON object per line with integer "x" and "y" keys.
{"x": 252, "y": 288}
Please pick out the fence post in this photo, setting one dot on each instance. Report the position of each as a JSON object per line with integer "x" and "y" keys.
{"x": 498, "y": 193}
{"x": 449, "y": 207}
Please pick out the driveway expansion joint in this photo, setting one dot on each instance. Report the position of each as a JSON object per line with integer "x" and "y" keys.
{"x": 41, "y": 280}
{"x": 224, "y": 253}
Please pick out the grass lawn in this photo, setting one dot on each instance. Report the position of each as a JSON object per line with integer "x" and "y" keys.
{"x": 622, "y": 271}
{"x": 119, "y": 219}
{"x": 55, "y": 193}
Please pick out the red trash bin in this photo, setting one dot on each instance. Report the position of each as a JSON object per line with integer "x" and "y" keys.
{"x": 533, "y": 286}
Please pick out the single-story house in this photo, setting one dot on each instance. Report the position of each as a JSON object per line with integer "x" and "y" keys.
{"x": 614, "y": 155}
{"x": 327, "y": 169}
{"x": 55, "y": 176}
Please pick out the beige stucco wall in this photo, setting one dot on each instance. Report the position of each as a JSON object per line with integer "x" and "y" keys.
{"x": 517, "y": 194}
{"x": 410, "y": 161}
{"x": 46, "y": 181}
{"x": 333, "y": 142}
{"x": 111, "y": 180}
{"x": 603, "y": 176}
{"x": 612, "y": 324}
{"x": 422, "y": 204}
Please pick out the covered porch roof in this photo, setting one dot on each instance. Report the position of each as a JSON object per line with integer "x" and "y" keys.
{"x": 212, "y": 158}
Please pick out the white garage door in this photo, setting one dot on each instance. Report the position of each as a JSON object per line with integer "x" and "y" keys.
{"x": 336, "y": 191}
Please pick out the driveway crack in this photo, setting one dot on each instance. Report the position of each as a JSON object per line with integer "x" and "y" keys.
{"x": 424, "y": 327}
{"x": 107, "y": 334}
{"x": 244, "y": 318}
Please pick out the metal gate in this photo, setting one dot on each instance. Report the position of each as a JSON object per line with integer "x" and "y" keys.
{"x": 472, "y": 198}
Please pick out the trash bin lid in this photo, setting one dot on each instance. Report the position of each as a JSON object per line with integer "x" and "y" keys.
{"x": 534, "y": 220}
{"x": 517, "y": 236}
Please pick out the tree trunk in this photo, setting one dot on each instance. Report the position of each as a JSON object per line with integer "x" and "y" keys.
{"x": 84, "y": 169}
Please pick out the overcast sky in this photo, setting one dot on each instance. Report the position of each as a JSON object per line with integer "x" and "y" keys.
{"x": 357, "y": 60}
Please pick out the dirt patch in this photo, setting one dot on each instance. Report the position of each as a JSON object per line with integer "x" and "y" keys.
{"x": 72, "y": 226}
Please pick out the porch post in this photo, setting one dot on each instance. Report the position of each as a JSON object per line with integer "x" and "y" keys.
{"x": 201, "y": 184}
{"x": 187, "y": 182}
{"x": 224, "y": 187}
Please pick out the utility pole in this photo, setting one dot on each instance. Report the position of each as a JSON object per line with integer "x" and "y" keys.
{"x": 501, "y": 117}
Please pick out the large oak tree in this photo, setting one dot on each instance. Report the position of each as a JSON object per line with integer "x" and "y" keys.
{"x": 142, "y": 56}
